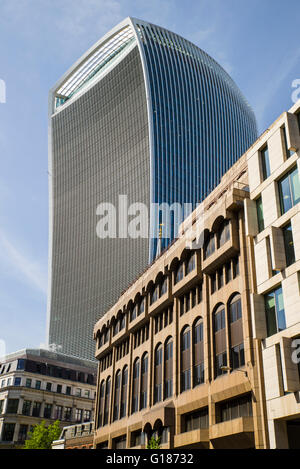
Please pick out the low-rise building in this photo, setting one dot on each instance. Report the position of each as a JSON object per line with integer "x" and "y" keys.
{"x": 38, "y": 385}
{"x": 80, "y": 436}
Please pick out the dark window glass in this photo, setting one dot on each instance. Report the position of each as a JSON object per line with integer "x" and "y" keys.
{"x": 209, "y": 246}
{"x": 265, "y": 163}
{"x": 36, "y": 409}
{"x": 179, "y": 273}
{"x": 12, "y": 406}
{"x": 47, "y": 411}
{"x": 275, "y": 314}
{"x": 26, "y": 408}
{"x": 237, "y": 356}
{"x": 8, "y": 432}
{"x": 235, "y": 408}
{"x": 220, "y": 362}
{"x": 289, "y": 190}
{"x": 260, "y": 215}
{"x": 288, "y": 244}
{"x": 224, "y": 233}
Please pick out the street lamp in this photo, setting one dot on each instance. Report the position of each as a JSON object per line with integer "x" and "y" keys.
{"x": 227, "y": 368}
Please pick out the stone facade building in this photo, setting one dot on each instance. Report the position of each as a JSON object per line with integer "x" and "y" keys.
{"x": 198, "y": 349}
{"x": 38, "y": 385}
{"x": 273, "y": 230}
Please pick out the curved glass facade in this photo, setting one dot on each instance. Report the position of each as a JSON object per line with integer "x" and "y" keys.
{"x": 146, "y": 114}
{"x": 201, "y": 122}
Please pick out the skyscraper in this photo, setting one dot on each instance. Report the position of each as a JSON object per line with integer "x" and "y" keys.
{"x": 145, "y": 114}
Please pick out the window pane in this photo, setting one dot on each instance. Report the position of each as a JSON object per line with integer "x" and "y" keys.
{"x": 295, "y": 184}
{"x": 265, "y": 163}
{"x": 280, "y": 310}
{"x": 289, "y": 244}
{"x": 260, "y": 215}
{"x": 285, "y": 195}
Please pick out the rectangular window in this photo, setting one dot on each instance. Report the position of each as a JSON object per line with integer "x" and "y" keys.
{"x": 59, "y": 388}
{"x": 38, "y": 385}
{"x": 17, "y": 382}
{"x": 265, "y": 162}
{"x": 28, "y": 383}
{"x": 78, "y": 415}
{"x": 235, "y": 267}
{"x": 26, "y": 408}
{"x": 213, "y": 282}
{"x": 220, "y": 278}
{"x": 12, "y": 406}
{"x": 275, "y": 314}
{"x": 68, "y": 414}
{"x": 47, "y": 411}
{"x": 237, "y": 356}
{"x": 22, "y": 433}
{"x": 220, "y": 362}
{"x": 36, "y": 409}
{"x": 235, "y": 408}
{"x": 48, "y": 386}
{"x": 289, "y": 190}
{"x": 196, "y": 420}
{"x": 260, "y": 215}
{"x": 8, "y": 432}
{"x": 288, "y": 152}
{"x": 199, "y": 374}
{"x": 288, "y": 244}
{"x": 58, "y": 412}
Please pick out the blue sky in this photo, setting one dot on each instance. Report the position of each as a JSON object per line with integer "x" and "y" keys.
{"x": 256, "y": 41}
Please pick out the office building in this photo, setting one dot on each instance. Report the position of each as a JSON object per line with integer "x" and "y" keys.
{"x": 37, "y": 385}
{"x": 273, "y": 228}
{"x": 177, "y": 359}
{"x": 147, "y": 115}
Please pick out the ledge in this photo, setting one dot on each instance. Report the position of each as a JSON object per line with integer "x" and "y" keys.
{"x": 191, "y": 438}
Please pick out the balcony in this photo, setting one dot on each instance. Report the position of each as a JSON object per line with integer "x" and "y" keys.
{"x": 194, "y": 439}
{"x": 233, "y": 434}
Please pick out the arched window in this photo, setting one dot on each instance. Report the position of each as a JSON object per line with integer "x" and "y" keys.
{"x": 209, "y": 245}
{"x": 133, "y": 312}
{"x": 179, "y": 273}
{"x": 185, "y": 352}
{"x": 144, "y": 381}
{"x": 101, "y": 404}
{"x": 124, "y": 392}
{"x": 158, "y": 373}
{"x": 155, "y": 294}
{"x": 117, "y": 395}
{"x": 237, "y": 356}
{"x": 169, "y": 368}
{"x": 164, "y": 286}
{"x": 107, "y": 401}
{"x": 219, "y": 322}
{"x": 198, "y": 344}
{"x": 224, "y": 233}
{"x": 116, "y": 327}
{"x": 122, "y": 321}
{"x": 142, "y": 305}
{"x": 191, "y": 263}
{"x": 135, "y": 386}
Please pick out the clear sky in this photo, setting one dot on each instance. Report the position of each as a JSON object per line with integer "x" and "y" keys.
{"x": 256, "y": 41}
